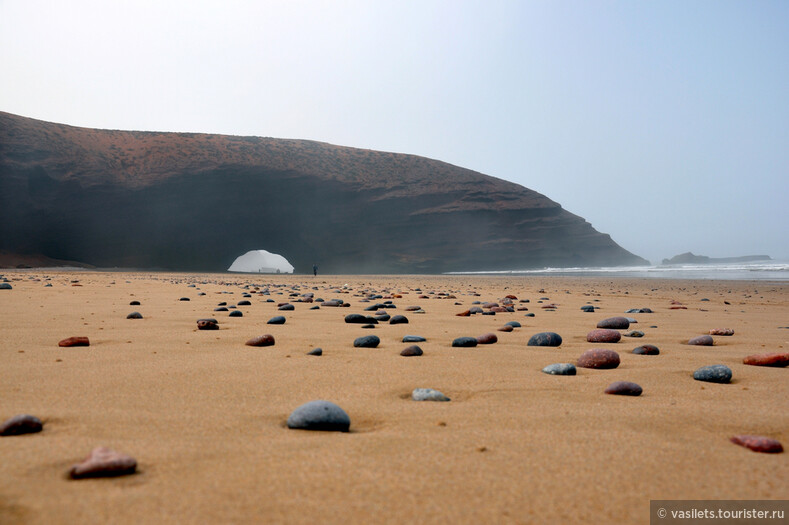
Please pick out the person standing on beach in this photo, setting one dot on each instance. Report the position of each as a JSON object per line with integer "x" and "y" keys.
{"x": 315, "y": 270}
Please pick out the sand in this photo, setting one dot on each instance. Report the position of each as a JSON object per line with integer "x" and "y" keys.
{"x": 204, "y": 415}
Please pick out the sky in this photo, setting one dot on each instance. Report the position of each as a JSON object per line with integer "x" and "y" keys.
{"x": 663, "y": 123}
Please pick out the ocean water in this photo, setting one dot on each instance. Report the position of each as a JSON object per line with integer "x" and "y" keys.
{"x": 756, "y": 271}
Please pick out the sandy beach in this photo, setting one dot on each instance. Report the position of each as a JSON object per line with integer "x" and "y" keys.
{"x": 204, "y": 414}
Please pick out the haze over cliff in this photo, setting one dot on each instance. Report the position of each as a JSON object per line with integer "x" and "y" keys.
{"x": 188, "y": 201}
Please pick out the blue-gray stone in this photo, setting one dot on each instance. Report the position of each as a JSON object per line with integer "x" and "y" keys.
{"x": 465, "y": 342}
{"x": 315, "y": 351}
{"x": 286, "y": 307}
{"x": 398, "y": 319}
{"x": 713, "y": 374}
{"x": 514, "y": 324}
{"x": 560, "y": 369}
{"x": 529, "y": 315}
{"x": 383, "y": 317}
{"x": 236, "y": 313}
{"x": 367, "y": 341}
{"x": 221, "y": 309}
{"x": 276, "y": 320}
{"x": 587, "y": 308}
{"x": 545, "y": 339}
{"x": 5, "y": 286}
{"x": 413, "y": 339}
{"x": 244, "y": 303}
{"x": 319, "y": 415}
{"x": 428, "y": 394}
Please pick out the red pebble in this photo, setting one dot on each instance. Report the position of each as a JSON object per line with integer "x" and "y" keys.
{"x": 758, "y": 443}
{"x": 262, "y": 340}
{"x": 603, "y": 335}
{"x": 467, "y": 313}
{"x": 505, "y": 328}
{"x": 487, "y": 339}
{"x": 777, "y": 360}
{"x": 75, "y": 341}
{"x": 599, "y": 358}
{"x": 702, "y": 340}
{"x": 624, "y": 388}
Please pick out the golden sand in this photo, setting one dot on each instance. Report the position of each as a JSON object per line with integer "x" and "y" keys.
{"x": 204, "y": 415}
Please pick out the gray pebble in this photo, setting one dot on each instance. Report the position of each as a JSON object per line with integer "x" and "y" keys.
{"x": 428, "y": 394}
{"x": 319, "y": 415}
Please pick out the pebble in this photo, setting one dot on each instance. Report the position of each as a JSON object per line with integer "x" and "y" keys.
{"x": 319, "y": 415}
{"x": 428, "y": 394}
{"x": 184, "y": 299}
{"x": 383, "y": 317}
{"x": 236, "y": 313}
{"x": 587, "y": 308}
{"x": 412, "y": 350}
{"x": 207, "y": 324}
{"x": 702, "y": 340}
{"x": 616, "y": 323}
{"x": 514, "y": 324}
{"x": 276, "y": 320}
{"x": 721, "y": 331}
{"x": 221, "y": 309}
{"x": 75, "y": 341}
{"x": 21, "y": 424}
{"x": 758, "y": 443}
{"x": 5, "y": 286}
{"x": 599, "y": 358}
{"x": 261, "y": 340}
{"x": 713, "y": 374}
{"x": 634, "y": 333}
{"x": 315, "y": 351}
{"x": 646, "y": 350}
{"x": 398, "y": 319}
{"x": 560, "y": 369}
{"x": 103, "y": 462}
{"x": 505, "y": 328}
{"x": 773, "y": 359}
{"x": 465, "y": 342}
{"x": 288, "y": 307}
{"x": 487, "y": 339}
{"x": 134, "y": 315}
{"x": 360, "y": 319}
{"x": 603, "y": 335}
{"x": 413, "y": 339}
{"x": 367, "y": 341}
{"x": 134, "y": 303}
{"x": 545, "y": 339}
{"x": 244, "y": 303}
{"x": 624, "y": 388}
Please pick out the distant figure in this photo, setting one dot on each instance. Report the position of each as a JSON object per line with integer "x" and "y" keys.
{"x": 315, "y": 270}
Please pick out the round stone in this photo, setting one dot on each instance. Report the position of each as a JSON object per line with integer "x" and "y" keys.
{"x": 615, "y": 323}
{"x": 134, "y": 303}
{"x": 360, "y": 319}
{"x": 276, "y": 320}
{"x": 184, "y": 299}
{"x": 398, "y": 319}
{"x": 702, "y": 340}
{"x": 261, "y": 340}
{"x": 412, "y": 350}
{"x": 624, "y": 388}
{"x": 244, "y": 303}
{"x": 587, "y": 308}
{"x": 134, "y": 315}
{"x": 599, "y": 358}
{"x": 713, "y": 374}
{"x": 545, "y": 339}
{"x": 634, "y": 333}
{"x": 5, "y": 286}
{"x": 319, "y": 415}
{"x": 560, "y": 369}
{"x": 367, "y": 341}
{"x": 487, "y": 339}
{"x": 315, "y": 351}
{"x": 465, "y": 342}
{"x": 21, "y": 424}
{"x": 646, "y": 350}
{"x": 207, "y": 324}
{"x": 236, "y": 313}
{"x": 413, "y": 339}
{"x": 286, "y": 307}
{"x": 514, "y": 324}
{"x": 428, "y": 394}
{"x": 603, "y": 335}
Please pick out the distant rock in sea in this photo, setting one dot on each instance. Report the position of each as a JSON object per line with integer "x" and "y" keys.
{"x": 691, "y": 258}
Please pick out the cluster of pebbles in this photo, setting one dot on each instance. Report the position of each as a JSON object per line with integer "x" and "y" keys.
{"x": 322, "y": 415}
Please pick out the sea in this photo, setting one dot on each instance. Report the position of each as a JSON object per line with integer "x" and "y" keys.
{"x": 755, "y": 271}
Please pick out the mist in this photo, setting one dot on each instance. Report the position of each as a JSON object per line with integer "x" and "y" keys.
{"x": 663, "y": 124}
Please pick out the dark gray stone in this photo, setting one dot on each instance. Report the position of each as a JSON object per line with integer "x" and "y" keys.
{"x": 21, "y": 424}
{"x": 276, "y": 320}
{"x": 319, "y": 415}
{"x": 465, "y": 342}
{"x": 315, "y": 351}
{"x": 545, "y": 339}
{"x": 615, "y": 323}
{"x": 134, "y": 315}
{"x": 713, "y": 374}
{"x": 398, "y": 319}
{"x": 367, "y": 341}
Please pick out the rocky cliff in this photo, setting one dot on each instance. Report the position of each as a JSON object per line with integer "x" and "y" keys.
{"x": 188, "y": 201}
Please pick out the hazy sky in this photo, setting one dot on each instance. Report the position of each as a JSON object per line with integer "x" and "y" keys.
{"x": 662, "y": 123}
